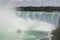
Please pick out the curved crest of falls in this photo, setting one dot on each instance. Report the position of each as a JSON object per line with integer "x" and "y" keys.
{"x": 49, "y": 17}
{"x": 41, "y": 24}
{"x": 27, "y": 25}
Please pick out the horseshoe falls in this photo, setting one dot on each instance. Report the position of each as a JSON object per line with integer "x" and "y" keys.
{"x": 28, "y": 25}
{"x": 40, "y": 25}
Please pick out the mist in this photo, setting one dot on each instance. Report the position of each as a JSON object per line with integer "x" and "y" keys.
{"x": 9, "y": 22}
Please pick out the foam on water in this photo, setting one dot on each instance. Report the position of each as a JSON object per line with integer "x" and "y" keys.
{"x": 10, "y": 23}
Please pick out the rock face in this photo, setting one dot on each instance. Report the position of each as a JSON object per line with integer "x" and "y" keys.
{"x": 56, "y": 34}
{"x": 18, "y": 31}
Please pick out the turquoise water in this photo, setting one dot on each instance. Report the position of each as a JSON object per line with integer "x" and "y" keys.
{"x": 27, "y": 35}
{"x": 50, "y": 17}
{"x": 31, "y": 33}
{"x": 10, "y": 36}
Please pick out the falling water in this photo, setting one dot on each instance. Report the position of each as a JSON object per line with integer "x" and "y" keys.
{"x": 26, "y": 25}
{"x": 41, "y": 21}
{"x": 31, "y": 25}
{"x": 49, "y": 17}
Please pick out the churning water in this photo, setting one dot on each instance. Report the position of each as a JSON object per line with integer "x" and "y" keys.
{"x": 27, "y": 25}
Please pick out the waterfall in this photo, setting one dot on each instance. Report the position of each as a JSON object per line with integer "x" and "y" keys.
{"x": 29, "y": 25}
{"x": 49, "y": 19}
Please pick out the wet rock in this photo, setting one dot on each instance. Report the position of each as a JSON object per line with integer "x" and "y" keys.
{"x": 19, "y": 31}
{"x": 56, "y": 34}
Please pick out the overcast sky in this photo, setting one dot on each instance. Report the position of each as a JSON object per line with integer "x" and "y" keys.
{"x": 29, "y": 2}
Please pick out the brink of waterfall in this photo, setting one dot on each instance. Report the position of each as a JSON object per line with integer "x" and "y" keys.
{"x": 28, "y": 25}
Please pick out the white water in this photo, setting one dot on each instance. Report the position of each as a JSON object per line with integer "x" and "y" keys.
{"x": 9, "y": 22}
